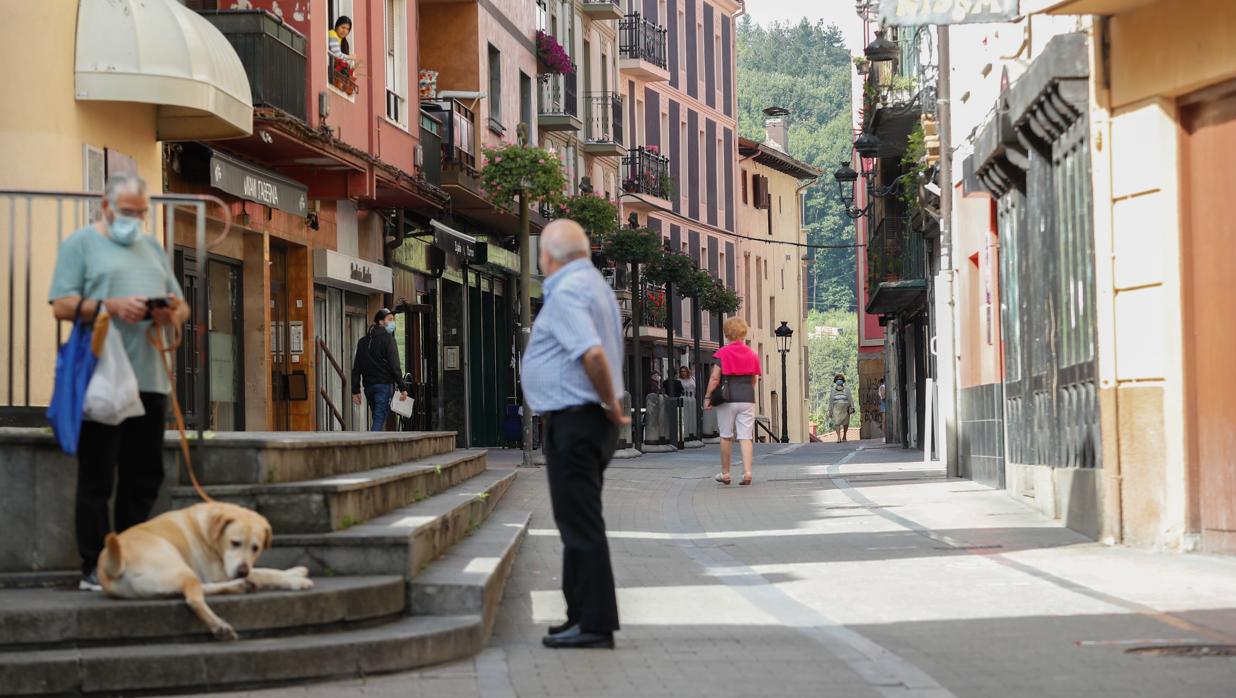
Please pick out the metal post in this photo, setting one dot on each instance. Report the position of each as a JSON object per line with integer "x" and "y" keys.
{"x": 637, "y": 380}
{"x": 525, "y": 310}
{"x": 785, "y": 417}
{"x": 673, "y": 360}
{"x": 699, "y": 380}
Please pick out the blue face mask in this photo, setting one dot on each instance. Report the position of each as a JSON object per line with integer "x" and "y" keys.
{"x": 124, "y": 230}
{"x": 390, "y": 327}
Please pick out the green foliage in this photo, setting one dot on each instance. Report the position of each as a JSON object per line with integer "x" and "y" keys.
{"x": 826, "y": 356}
{"x": 513, "y": 167}
{"x": 695, "y": 285}
{"x": 807, "y": 69}
{"x": 670, "y": 267}
{"x": 632, "y": 246}
{"x": 720, "y": 299}
{"x": 597, "y": 215}
{"x": 913, "y": 165}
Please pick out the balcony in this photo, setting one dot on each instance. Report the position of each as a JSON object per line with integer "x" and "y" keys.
{"x": 601, "y": 10}
{"x": 273, "y": 55}
{"x": 458, "y": 133}
{"x": 646, "y": 179}
{"x": 604, "y": 136}
{"x": 558, "y": 107}
{"x": 643, "y": 49}
{"x": 896, "y": 267}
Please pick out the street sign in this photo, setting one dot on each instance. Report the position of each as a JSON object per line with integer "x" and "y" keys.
{"x": 467, "y": 248}
{"x": 920, "y": 12}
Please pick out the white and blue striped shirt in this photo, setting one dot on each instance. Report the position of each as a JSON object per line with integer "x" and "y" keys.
{"x": 579, "y": 313}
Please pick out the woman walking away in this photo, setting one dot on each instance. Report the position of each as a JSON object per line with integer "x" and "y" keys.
{"x": 734, "y": 382}
{"x": 840, "y": 406}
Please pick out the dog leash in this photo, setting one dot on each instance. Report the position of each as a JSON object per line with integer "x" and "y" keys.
{"x": 165, "y": 350}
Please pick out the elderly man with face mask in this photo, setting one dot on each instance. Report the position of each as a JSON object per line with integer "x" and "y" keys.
{"x": 111, "y": 266}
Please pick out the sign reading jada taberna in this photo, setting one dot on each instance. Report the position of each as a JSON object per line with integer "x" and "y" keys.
{"x": 920, "y": 12}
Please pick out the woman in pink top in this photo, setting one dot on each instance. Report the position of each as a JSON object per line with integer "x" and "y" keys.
{"x": 740, "y": 368}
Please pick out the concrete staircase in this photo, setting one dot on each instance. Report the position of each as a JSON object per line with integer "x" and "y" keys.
{"x": 400, "y": 533}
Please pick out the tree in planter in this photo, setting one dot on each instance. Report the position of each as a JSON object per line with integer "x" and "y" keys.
{"x": 698, "y": 283}
{"x": 516, "y": 176}
{"x": 516, "y": 169}
{"x": 596, "y": 215}
{"x": 634, "y": 246}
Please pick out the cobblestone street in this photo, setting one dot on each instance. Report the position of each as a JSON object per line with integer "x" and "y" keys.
{"x": 846, "y": 570}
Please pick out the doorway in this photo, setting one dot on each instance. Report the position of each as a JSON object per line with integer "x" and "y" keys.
{"x": 1208, "y": 266}
{"x": 222, "y": 365}
{"x": 491, "y": 361}
{"x": 340, "y": 319}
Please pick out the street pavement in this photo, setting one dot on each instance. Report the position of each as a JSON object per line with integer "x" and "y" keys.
{"x": 847, "y": 569}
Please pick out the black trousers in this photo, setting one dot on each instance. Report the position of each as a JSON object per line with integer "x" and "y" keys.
{"x": 135, "y": 449}
{"x": 578, "y": 447}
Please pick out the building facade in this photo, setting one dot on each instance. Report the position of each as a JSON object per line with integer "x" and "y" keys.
{"x": 773, "y": 279}
{"x": 139, "y": 74}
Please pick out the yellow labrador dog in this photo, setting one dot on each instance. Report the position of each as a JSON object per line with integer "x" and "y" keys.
{"x": 205, "y": 549}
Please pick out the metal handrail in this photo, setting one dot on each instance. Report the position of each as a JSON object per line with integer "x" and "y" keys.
{"x": 324, "y": 350}
{"x": 767, "y": 429}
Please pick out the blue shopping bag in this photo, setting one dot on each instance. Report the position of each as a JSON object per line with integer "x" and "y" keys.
{"x": 74, "y": 365}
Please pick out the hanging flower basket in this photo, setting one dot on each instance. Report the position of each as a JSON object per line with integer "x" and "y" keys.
{"x": 696, "y": 284}
{"x": 513, "y": 167}
{"x": 551, "y": 56}
{"x": 671, "y": 267}
{"x": 720, "y": 299}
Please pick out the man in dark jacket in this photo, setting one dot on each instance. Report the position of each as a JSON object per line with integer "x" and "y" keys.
{"x": 377, "y": 362}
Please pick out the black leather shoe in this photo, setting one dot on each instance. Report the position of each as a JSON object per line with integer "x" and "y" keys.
{"x": 556, "y": 629}
{"x": 574, "y": 638}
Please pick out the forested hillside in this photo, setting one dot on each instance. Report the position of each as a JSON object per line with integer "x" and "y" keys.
{"x": 806, "y": 68}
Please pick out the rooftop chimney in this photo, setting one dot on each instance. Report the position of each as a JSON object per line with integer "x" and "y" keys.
{"x": 777, "y": 128}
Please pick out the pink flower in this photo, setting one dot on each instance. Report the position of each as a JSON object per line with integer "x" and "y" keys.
{"x": 498, "y": 159}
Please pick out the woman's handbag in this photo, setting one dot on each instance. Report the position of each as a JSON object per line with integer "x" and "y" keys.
{"x": 75, "y": 364}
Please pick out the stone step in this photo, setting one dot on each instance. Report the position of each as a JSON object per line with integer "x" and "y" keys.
{"x": 70, "y": 618}
{"x": 470, "y": 576}
{"x": 406, "y": 643}
{"x": 401, "y": 542}
{"x": 343, "y": 501}
{"x": 269, "y": 457}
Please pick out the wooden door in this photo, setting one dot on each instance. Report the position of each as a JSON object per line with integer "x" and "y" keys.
{"x": 1209, "y": 268}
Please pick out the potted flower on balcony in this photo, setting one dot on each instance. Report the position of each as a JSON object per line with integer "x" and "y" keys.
{"x": 552, "y": 57}
{"x": 343, "y": 76}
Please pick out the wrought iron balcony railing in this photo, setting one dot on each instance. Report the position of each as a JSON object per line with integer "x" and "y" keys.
{"x": 273, "y": 55}
{"x": 895, "y": 252}
{"x": 655, "y": 306}
{"x": 604, "y": 117}
{"x": 646, "y": 172}
{"x": 559, "y": 94}
{"x": 644, "y": 40}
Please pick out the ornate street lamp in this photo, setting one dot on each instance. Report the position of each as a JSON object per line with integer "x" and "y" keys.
{"x": 783, "y": 334}
{"x": 881, "y": 50}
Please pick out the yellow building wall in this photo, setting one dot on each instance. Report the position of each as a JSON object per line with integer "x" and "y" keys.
{"x": 776, "y": 297}
{"x": 1158, "y": 53}
{"x": 43, "y": 134}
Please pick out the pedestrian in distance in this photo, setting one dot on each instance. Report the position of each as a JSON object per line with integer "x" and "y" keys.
{"x": 882, "y": 391}
{"x": 731, "y": 390}
{"x": 377, "y": 363}
{"x": 571, "y": 370}
{"x": 111, "y": 266}
{"x": 687, "y": 380}
{"x": 840, "y": 406}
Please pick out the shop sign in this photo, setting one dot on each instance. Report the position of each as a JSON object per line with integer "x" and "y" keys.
{"x": 255, "y": 184}
{"x": 465, "y": 247}
{"x": 921, "y": 12}
{"x": 331, "y": 268}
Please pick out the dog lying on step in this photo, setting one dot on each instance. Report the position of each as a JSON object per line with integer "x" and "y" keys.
{"x": 205, "y": 549}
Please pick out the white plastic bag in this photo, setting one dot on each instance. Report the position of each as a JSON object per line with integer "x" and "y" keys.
{"x": 112, "y": 395}
{"x": 403, "y": 408}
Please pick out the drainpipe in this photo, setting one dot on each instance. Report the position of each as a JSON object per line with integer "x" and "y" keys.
{"x": 946, "y": 321}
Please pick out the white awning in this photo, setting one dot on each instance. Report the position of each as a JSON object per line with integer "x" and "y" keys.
{"x": 160, "y": 52}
